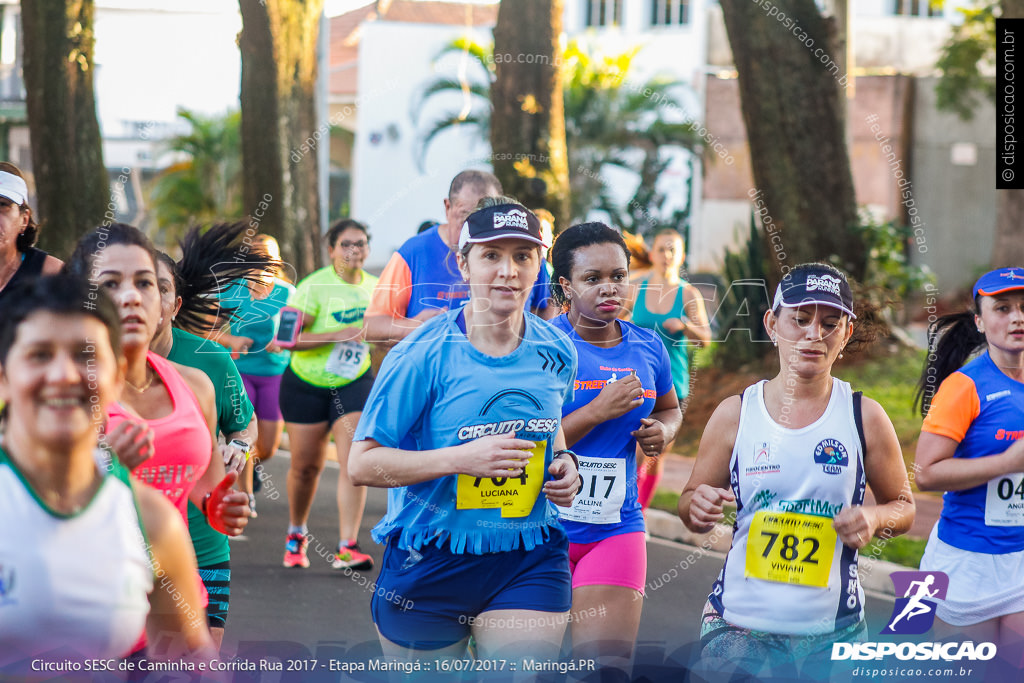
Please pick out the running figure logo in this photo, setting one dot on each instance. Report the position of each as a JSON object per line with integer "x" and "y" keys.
{"x": 914, "y": 613}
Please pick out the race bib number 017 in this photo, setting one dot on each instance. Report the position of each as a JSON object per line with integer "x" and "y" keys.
{"x": 515, "y": 496}
{"x": 1004, "y": 500}
{"x": 788, "y": 547}
{"x": 603, "y": 493}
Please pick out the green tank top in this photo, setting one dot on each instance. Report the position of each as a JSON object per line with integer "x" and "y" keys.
{"x": 678, "y": 348}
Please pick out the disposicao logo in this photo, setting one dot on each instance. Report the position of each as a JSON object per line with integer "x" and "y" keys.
{"x": 914, "y": 614}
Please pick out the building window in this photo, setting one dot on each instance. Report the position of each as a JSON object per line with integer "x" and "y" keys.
{"x": 670, "y": 12}
{"x": 915, "y": 8}
{"x": 602, "y": 13}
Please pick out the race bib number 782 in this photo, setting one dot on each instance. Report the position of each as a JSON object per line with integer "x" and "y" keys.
{"x": 790, "y": 548}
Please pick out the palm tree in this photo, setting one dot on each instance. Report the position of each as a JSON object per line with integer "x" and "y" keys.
{"x": 207, "y": 185}
{"x": 474, "y": 92}
{"x": 609, "y": 123}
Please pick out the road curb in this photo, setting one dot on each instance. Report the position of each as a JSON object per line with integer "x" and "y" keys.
{"x": 874, "y": 573}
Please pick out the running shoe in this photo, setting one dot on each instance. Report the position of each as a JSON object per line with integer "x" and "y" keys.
{"x": 295, "y": 551}
{"x": 252, "y": 506}
{"x": 350, "y": 557}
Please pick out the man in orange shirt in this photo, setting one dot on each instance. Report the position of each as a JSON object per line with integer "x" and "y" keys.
{"x": 422, "y": 278}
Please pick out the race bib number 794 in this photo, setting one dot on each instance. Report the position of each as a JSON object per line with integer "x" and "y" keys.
{"x": 515, "y": 496}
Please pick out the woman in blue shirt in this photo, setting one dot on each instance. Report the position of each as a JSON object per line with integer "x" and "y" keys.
{"x": 463, "y": 426}
{"x": 623, "y": 398}
{"x": 971, "y": 448}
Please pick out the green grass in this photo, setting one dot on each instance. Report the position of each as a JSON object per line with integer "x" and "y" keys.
{"x": 665, "y": 500}
{"x": 892, "y": 381}
{"x": 904, "y": 550}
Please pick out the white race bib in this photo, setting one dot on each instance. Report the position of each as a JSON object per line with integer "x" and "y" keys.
{"x": 347, "y": 359}
{"x": 1004, "y": 500}
{"x": 603, "y": 493}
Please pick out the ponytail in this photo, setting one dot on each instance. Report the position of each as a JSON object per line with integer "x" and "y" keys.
{"x": 211, "y": 262}
{"x": 951, "y": 341}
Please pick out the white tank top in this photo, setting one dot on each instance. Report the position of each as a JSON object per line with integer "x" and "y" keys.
{"x": 71, "y": 586}
{"x": 786, "y": 571}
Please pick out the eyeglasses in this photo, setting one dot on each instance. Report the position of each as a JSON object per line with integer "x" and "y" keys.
{"x": 345, "y": 244}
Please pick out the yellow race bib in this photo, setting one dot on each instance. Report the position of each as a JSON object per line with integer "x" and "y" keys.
{"x": 789, "y": 547}
{"x": 515, "y": 496}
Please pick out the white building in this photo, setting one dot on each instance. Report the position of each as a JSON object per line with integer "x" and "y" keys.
{"x": 391, "y": 191}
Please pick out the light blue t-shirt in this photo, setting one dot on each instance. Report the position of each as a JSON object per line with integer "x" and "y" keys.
{"x": 434, "y": 390}
{"x": 258, "y": 319}
{"x": 611, "y": 480}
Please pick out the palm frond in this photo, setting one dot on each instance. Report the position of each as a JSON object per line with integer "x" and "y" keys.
{"x": 482, "y": 53}
{"x": 481, "y": 119}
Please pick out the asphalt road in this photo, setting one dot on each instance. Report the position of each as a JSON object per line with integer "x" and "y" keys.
{"x": 318, "y": 619}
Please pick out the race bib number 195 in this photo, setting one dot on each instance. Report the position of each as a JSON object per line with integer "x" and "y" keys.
{"x": 514, "y": 495}
{"x": 347, "y": 358}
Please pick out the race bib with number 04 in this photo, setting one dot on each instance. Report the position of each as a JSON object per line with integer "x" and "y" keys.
{"x": 603, "y": 493}
{"x": 788, "y": 547}
{"x": 347, "y": 358}
{"x": 515, "y": 496}
{"x": 1004, "y": 500}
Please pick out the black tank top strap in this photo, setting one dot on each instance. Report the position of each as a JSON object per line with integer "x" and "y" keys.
{"x": 32, "y": 263}
{"x": 31, "y": 267}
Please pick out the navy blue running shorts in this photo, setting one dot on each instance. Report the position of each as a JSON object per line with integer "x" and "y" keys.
{"x": 432, "y": 602}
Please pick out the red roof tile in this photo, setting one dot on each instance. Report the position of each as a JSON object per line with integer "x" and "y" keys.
{"x": 344, "y": 39}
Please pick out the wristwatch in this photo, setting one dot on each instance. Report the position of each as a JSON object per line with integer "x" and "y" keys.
{"x": 575, "y": 461}
{"x": 238, "y": 443}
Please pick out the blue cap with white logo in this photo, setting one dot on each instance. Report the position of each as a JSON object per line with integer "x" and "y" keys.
{"x": 814, "y": 285}
{"x": 499, "y": 222}
{"x": 999, "y": 281}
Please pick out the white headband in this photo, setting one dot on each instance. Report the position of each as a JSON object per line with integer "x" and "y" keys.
{"x": 13, "y": 187}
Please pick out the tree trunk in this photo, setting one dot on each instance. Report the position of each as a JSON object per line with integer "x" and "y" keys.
{"x": 280, "y": 186}
{"x": 72, "y": 187}
{"x": 794, "y": 119}
{"x": 1008, "y": 246}
{"x": 528, "y": 123}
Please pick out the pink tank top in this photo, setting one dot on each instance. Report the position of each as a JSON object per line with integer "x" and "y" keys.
{"x": 182, "y": 439}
